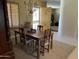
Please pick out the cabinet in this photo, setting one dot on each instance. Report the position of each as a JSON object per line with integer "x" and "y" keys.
{"x": 5, "y": 43}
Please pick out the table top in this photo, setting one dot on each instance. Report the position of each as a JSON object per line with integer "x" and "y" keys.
{"x": 37, "y": 35}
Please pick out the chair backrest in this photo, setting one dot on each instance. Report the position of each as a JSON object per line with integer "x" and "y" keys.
{"x": 33, "y": 30}
{"x": 21, "y": 30}
{"x": 48, "y": 32}
{"x": 47, "y": 35}
{"x": 40, "y": 28}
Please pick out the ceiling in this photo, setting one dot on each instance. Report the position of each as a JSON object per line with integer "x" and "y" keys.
{"x": 52, "y": 0}
{"x": 53, "y": 3}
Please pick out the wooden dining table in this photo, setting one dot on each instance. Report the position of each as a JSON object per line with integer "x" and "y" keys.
{"x": 36, "y": 36}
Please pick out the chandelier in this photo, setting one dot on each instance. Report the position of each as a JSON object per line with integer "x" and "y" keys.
{"x": 29, "y": 4}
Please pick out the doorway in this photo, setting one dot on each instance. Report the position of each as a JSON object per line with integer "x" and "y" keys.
{"x": 13, "y": 14}
{"x": 55, "y": 19}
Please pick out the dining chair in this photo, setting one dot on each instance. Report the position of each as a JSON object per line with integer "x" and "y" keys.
{"x": 22, "y": 36}
{"x": 25, "y": 40}
{"x": 40, "y": 28}
{"x": 46, "y": 41}
{"x": 33, "y": 30}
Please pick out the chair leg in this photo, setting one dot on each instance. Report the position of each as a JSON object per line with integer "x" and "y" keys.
{"x": 48, "y": 47}
{"x": 43, "y": 49}
{"x": 24, "y": 43}
{"x": 33, "y": 45}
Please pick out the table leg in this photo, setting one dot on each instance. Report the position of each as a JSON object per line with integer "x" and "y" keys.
{"x": 38, "y": 49}
{"x": 51, "y": 40}
{"x": 15, "y": 38}
{"x": 20, "y": 38}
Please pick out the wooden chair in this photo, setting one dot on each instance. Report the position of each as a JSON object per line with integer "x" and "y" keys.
{"x": 40, "y": 28}
{"x": 23, "y": 39}
{"x": 22, "y": 36}
{"x": 27, "y": 41}
{"x": 33, "y": 30}
{"x": 46, "y": 41}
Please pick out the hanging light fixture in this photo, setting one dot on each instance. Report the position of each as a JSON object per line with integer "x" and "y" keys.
{"x": 36, "y": 2}
{"x": 33, "y": 3}
{"x": 29, "y": 4}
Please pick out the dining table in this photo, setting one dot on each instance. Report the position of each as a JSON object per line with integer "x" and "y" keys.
{"x": 38, "y": 35}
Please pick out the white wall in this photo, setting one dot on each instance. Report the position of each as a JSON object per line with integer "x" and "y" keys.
{"x": 45, "y": 17}
{"x": 67, "y": 31}
{"x": 69, "y": 18}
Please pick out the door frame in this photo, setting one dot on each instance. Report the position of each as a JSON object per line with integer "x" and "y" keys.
{"x": 18, "y": 11}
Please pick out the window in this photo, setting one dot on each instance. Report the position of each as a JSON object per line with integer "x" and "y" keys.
{"x": 13, "y": 14}
{"x": 35, "y": 17}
